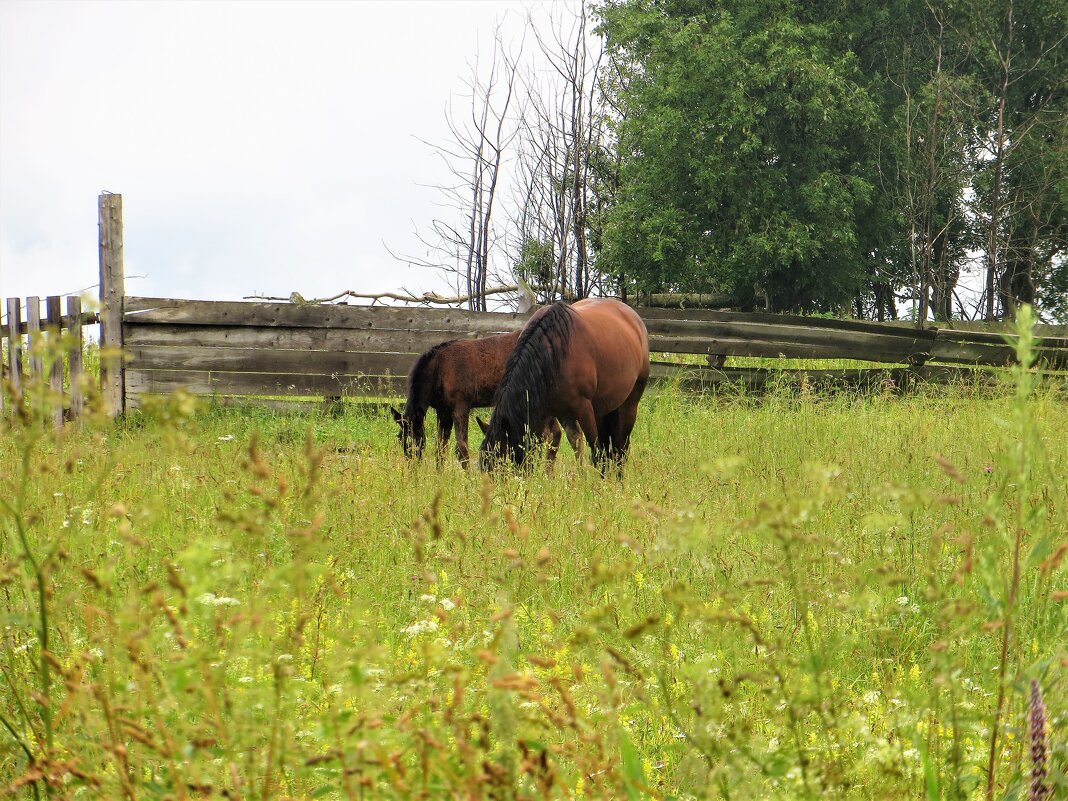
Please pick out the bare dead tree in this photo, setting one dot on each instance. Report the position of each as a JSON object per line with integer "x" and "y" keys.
{"x": 462, "y": 244}
{"x": 563, "y": 131}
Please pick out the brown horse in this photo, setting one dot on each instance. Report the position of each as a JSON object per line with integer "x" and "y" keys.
{"x": 453, "y": 378}
{"x": 587, "y": 362}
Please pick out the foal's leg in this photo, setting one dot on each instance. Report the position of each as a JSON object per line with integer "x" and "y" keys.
{"x": 444, "y": 429}
{"x": 460, "y": 418}
{"x": 574, "y": 435}
{"x": 552, "y": 434}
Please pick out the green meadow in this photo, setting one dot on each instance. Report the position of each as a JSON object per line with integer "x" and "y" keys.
{"x": 793, "y": 596}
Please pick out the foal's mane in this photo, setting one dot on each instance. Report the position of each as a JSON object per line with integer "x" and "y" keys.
{"x": 531, "y": 371}
{"x": 422, "y": 382}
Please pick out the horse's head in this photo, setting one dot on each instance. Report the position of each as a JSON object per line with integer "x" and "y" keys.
{"x": 411, "y": 433}
{"x": 501, "y": 442}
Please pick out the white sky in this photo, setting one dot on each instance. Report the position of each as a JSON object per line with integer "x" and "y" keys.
{"x": 260, "y": 147}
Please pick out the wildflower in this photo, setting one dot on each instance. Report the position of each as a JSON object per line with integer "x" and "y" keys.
{"x": 419, "y": 627}
{"x": 447, "y": 604}
{"x": 1039, "y": 789}
{"x": 211, "y": 599}
{"x": 902, "y": 600}
{"x": 225, "y": 438}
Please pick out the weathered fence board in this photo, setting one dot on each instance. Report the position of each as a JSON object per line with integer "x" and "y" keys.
{"x": 286, "y": 338}
{"x": 203, "y": 382}
{"x": 757, "y": 379}
{"x": 54, "y": 329}
{"x": 391, "y": 318}
{"x": 73, "y": 322}
{"x": 14, "y": 349}
{"x": 255, "y": 360}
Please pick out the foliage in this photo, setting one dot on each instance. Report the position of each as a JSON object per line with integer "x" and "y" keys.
{"x": 740, "y": 153}
{"x": 810, "y": 156}
{"x": 797, "y": 596}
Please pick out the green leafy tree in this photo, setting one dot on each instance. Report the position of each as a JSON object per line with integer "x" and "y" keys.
{"x": 743, "y": 158}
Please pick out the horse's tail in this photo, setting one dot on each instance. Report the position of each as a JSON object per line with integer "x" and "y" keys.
{"x": 531, "y": 373}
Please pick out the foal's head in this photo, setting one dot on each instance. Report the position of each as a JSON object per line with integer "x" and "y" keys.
{"x": 411, "y": 433}
{"x": 503, "y": 441}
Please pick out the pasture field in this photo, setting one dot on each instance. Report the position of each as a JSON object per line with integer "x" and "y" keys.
{"x": 789, "y": 597}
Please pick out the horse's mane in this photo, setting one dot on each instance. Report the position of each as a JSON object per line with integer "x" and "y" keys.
{"x": 531, "y": 371}
{"x": 423, "y": 384}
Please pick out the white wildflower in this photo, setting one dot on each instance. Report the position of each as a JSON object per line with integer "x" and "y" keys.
{"x": 419, "y": 627}
{"x": 211, "y": 599}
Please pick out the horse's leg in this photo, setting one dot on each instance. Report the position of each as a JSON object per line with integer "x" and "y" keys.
{"x": 444, "y": 429}
{"x": 552, "y": 434}
{"x": 587, "y": 423}
{"x": 624, "y": 424}
{"x": 574, "y": 436}
{"x": 606, "y": 429}
{"x": 461, "y": 415}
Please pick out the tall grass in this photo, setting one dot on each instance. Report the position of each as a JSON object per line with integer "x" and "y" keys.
{"x": 791, "y": 597}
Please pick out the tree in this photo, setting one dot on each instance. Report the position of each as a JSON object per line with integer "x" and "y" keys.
{"x": 563, "y": 143}
{"x": 476, "y": 155}
{"x": 743, "y": 164}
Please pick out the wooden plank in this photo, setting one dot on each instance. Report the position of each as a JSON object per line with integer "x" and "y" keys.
{"x": 54, "y": 329}
{"x": 73, "y": 321}
{"x": 35, "y": 360}
{"x": 112, "y": 292}
{"x": 87, "y": 318}
{"x": 765, "y": 318}
{"x": 702, "y": 379}
{"x": 796, "y": 341}
{"x": 773, "y": 349}
{"x": 249, "y": 360}
{"x": 285, "y": 338}
{"x": 209, "y": 312}
{"x": 203, "y": 382}
{"x": 970, "y": 347}
{"x": 14, "y": 352}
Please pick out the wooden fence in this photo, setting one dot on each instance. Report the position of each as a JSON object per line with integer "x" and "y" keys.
{"x": 285, "y": 350}
{"x": 27, "y": 335}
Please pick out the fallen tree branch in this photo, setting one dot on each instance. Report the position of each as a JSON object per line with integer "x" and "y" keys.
{"x": 425, "y": 298}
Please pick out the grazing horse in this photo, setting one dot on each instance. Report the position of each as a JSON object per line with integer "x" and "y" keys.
{"x": 453, "y": 378}
{"x": 587, "y": 362}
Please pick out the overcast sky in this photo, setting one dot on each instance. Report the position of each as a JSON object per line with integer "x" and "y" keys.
{"x": 260, "y": 147}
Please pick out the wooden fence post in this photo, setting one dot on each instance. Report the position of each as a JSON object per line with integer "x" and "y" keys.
{"x": 54, "y": 327}
{"x": 112, "y": 291}
{"x": 35, "y": 362}
{"x": 14, "y": 349}
{"x": 74, "y": 312}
